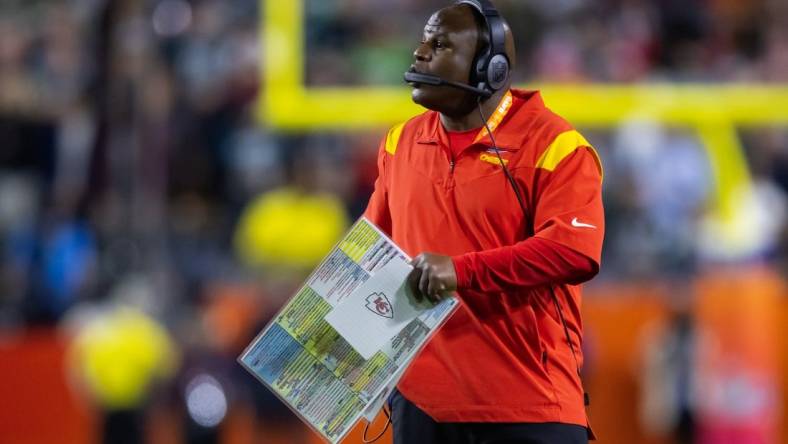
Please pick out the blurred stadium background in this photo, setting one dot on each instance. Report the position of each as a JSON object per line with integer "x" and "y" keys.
{"x": 171, "y": 169}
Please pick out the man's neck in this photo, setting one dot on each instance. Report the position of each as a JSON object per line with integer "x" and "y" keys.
{"x": 473, "y": 119}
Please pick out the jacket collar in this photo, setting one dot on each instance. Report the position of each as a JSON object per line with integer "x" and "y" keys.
{"x": 509, "y": 135}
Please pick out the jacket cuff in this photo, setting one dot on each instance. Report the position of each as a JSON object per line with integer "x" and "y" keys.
{"x": 463, "y": 269}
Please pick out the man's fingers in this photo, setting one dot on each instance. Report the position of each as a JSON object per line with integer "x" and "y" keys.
{"x": 413, "y": 283}
{"x": 424, "y": 281}
{"x": 417, "y": 261}
{"x": 435, "y": 288}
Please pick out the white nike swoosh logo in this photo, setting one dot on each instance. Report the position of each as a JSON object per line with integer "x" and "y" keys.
{"x": 577, "y": 224}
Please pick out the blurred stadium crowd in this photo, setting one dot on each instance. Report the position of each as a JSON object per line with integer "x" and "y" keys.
{"x": 140, "y": 196}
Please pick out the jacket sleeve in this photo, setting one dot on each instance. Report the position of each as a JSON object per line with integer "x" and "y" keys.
{"x": 378, "y": 207}
{"x": 568, "y": 225}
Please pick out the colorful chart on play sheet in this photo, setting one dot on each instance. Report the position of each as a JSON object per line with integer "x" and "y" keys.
{"x": 311, "y": 367}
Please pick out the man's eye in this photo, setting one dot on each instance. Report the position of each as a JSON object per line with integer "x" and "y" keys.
{"x": 439, "y": 44}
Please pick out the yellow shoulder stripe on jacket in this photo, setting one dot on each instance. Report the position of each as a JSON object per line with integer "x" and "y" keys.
{"x": 565, "y": 144}
{"x": 392, "y": 139}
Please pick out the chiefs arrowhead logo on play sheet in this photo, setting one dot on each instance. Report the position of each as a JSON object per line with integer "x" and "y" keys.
{"x": 379, "y": 304}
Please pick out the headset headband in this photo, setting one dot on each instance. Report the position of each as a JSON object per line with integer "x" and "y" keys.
{"x": 495, "y": 26}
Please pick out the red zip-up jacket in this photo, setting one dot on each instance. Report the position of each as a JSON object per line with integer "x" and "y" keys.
{"x": 503, "y": 356}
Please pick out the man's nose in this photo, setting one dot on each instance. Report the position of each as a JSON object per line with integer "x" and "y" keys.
{"x": 422, "y": 53}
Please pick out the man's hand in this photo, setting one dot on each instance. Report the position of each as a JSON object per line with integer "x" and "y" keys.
{"x": 432, "y": 277}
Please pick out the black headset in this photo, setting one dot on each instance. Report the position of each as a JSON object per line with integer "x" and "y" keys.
{"x": 490, "y": 69}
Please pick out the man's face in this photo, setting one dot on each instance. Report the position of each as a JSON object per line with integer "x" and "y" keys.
{"x": 447, "y": 50}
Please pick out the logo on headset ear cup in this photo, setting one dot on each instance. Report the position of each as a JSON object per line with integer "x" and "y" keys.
{"x": 497, "y": 71}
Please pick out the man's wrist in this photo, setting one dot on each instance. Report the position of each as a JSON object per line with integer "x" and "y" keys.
{"x": 463, "y": 270}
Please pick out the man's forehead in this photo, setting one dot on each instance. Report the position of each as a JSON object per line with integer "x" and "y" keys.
{"x": 448, "y": 22}
{"x": 436, "y": 19}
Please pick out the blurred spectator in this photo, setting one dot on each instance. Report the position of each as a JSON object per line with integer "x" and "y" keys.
{"x": 119, "y": 355}
{"x": 660, "y": 182}
{"x": 669, "y": 370}
{"x": 289, "y": 228}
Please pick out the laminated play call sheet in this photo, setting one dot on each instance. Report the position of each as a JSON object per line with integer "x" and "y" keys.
{"x": 333, "y": 375}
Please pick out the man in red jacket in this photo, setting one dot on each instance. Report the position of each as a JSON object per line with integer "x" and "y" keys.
{"x": 499, "y": 200}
